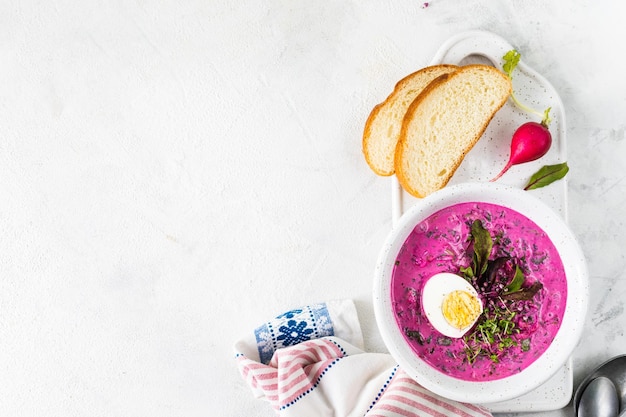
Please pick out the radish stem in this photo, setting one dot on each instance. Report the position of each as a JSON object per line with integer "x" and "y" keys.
{"x": 511, "y": 59}
{"x": 525, "y": 108}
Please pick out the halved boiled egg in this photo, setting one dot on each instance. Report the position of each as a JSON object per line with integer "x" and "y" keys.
{"x": 451, "y": 304}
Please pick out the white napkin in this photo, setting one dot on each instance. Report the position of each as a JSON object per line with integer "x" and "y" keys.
{"x": 310, "y": 362}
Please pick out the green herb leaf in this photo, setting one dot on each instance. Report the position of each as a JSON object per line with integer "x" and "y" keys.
{"x": 482, "y": 247}
{"x": 467, "y": 272}
{"x": 547, "y": 175}
{"x": 517, "y": 281}
{"x": 524, "y": 293}
{"x": 415, "y": 335}
{"x": 511, "y": 59}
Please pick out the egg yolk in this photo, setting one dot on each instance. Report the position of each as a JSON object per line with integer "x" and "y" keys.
{"x": 460, "y": 309}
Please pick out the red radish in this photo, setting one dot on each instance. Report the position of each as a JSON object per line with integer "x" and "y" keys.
{"x": 530, "y": 141}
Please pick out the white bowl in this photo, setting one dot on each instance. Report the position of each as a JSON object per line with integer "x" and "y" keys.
{"x": 567, "y": 336}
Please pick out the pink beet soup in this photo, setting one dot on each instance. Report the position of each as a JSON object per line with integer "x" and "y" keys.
{"x": 518, "y": 322}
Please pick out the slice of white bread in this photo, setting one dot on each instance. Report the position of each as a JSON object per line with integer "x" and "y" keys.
{"x": 382, "y": 128}
{"x": 443, "y": 124}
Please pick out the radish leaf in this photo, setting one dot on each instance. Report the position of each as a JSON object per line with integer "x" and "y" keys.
{"x": 546, "y": 118}
{"x": 547, "y": 175}
{"x": 511, "y": 59}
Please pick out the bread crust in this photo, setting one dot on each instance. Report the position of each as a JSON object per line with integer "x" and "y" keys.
{"x": 383, "y": 164}
{"x": 403, "y": 162}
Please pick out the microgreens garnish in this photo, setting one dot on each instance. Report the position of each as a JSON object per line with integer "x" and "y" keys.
{"x": 492, "y": 336}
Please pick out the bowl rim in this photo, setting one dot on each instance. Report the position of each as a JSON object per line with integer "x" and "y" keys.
{"x": 568, "y": 335}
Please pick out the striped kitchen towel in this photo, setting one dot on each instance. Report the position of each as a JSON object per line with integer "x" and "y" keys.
{"x": 310, "y": 362}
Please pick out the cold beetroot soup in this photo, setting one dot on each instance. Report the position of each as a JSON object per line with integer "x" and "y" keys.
{"x": 516, "y": 271}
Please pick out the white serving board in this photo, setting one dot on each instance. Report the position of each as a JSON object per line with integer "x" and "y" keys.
{"x": 490, "y": 155}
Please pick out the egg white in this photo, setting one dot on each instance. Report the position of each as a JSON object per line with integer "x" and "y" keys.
{"x": 434, "y": 292}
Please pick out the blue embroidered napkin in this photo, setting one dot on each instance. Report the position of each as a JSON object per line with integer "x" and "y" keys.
{"x": 310, "y": 361}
